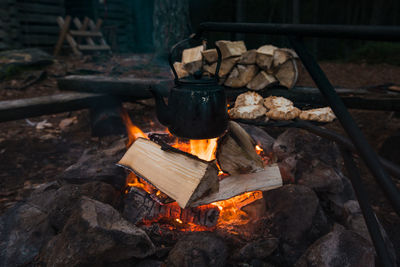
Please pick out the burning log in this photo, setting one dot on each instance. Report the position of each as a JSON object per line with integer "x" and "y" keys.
{"x": 236, "y": 153}
{"x": 140, "y": 206}
{"x": 267, "y": 179}
{"x": 180, "y": 175}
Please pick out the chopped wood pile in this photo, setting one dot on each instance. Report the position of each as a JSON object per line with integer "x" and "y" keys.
{"x": 191, "y": 181}
{"x": 254, "y": 69}
{"x": 251, "y": 105}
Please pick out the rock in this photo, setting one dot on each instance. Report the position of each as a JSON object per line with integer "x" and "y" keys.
{"x": 293, "y": 208}
{"x": 198, "y": 249}
{"x": 24, "y": 230}
{"x": 98, "y": 165}
{"x": 60, "y": 203}
{"x": 322, "y": 178}
{"x": 339, "y": 248}
{"x": 150, "y": 263}
{"x": 96, "y": 234}
{"x": 390, "y": 148}
{"x": 307, "y": 147}
{"x": 259, "y": 249}
{"x": 355, "y": 221}
{"x": 14, "y": 61}
{"x": 296, "y": 218}
{"x": 287, "y": 167}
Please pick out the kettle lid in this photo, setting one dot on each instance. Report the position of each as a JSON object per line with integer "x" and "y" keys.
{"x": 197, "y": 78}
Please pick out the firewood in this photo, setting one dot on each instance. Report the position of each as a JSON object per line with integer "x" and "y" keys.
{"x": 287, "y": 73}
{"x": 231, "y": 49}
{"x": 261, "y": 80}
{"x": 248, "y": 58}
{"x": 181, "y": 176}
{"x": 180, "y": 70}
{"x": 236, "y": 153}
{"x": 265, "y": 56}
{"x": 280, "y": 57}
{"x": 210, "y": 55}
{"x": 226, "y": 66}
{"x": 192, "y": 59}
{"x": 266, "y": 179}
{"x": 241, "y": 75}
{"x": 139, "y": 205}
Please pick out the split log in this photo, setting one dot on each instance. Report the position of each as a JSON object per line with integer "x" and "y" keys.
{"x": 226, "y": 66}
{"x": 248, "y": 58}
{"x": 140, "y": 206}
{"x": 263, "y": 180}
{"x": 210, "y": 55}
{"x": 181, "y": 176}
{"x": 192, "y": 59}
{"x": 236, "y": 153}
{"x": 241, "y": 75}
{"x": 231, "y": 49}
{"x": 280, "y": 57}
{"x": 287, "y": 73}
{"x": 180, "y": 71}
{"x": 265, "y": 56}
{"x": 261, "y": 81}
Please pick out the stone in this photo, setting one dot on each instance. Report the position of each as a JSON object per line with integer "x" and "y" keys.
{"x": 24, "y": 230}
{"x": 339, "y": 248}
{"x": 322, "y": 178}
{"x": 150, "y": 263}
{"x": 60, "y": 203}
{"x": 198, "y": 249}
{"x": 390, "y": 148}
{"x": 98, "y": 165}
{"x": 259, "y": 249}
{"x": 296, "y": 218}
{"x": 95, "y": 234}
{"x": 307, "y": 147}
{"x": 287, "y": 167}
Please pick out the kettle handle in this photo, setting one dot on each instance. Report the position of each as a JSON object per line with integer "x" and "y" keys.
{"x": 181, "y": 43}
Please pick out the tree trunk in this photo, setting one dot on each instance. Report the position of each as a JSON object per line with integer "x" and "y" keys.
{"x": 171, "y": 24}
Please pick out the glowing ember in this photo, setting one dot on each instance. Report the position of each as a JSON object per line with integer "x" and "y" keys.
{"x": 230, "y": 210}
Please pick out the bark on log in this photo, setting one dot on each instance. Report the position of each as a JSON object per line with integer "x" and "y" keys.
{"x": 181, "y": 176}
{"x": 267, "y": 179}
{"x": 140, "y": 206}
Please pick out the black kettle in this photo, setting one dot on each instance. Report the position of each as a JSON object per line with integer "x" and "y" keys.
{"x": 196, "y": 105}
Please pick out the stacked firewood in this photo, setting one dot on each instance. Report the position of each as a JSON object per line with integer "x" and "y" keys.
{"x": 254, "y": 69}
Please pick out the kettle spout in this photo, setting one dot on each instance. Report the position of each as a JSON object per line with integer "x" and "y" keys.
{"x": 163, "y": 112}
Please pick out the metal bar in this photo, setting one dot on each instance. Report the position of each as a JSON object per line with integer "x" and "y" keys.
{"x": 382, "y": 33}
{"x": 355, "y": 134}
{"x": 369, "y": 216}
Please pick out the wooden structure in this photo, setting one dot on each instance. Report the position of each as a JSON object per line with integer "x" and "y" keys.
{"x": 37, "y": 22}
{"x": 116, "y": 16}
{"x": 9, "y": 24}
{"x": 86, "y": 32}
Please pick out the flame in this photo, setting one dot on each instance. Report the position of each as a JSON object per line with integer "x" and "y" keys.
{"x": 133, "y": 131}
{"x": 230, "y": 210}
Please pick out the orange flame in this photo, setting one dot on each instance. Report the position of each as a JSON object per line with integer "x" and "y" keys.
{"x": 230, "y": 210}
{"x": 133, "y": 131}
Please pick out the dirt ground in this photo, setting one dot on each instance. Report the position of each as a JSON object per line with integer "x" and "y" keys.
{"x": 32, "y": 153}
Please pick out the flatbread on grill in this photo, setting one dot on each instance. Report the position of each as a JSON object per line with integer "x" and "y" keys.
{"x": 319, "y": 114}
{"x": 248, "y": 99}
{"x": 283, "y": 113}
{"x": 247, "y": 112}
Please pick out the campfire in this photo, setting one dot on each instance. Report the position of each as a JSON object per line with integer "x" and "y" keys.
{"x": 224, "y": 214}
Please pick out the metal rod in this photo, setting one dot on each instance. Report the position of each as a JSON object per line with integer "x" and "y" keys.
{"x": 363, "y": 32}
{"x": 341, "y": 112}
{"x": 369, "y": 216}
